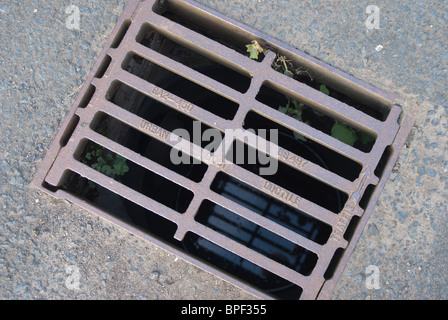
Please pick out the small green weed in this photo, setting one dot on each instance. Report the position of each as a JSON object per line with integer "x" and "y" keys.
{"x": 295, "y": 109}
{"x": 255, "y": 49}
{"x": 112, "y": 165}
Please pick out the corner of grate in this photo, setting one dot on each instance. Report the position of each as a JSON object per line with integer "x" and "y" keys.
{"x": 170, "y": 63}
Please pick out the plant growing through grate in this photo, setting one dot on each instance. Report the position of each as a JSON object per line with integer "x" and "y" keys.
{"x": 170, "y": 65}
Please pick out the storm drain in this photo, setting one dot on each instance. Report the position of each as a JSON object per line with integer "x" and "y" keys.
{"x": 174, "y": 64}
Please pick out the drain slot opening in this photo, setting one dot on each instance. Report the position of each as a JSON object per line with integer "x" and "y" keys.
{"x": 121, "y": 33}
{"x": 156, "y": 112}
{"x": 184, "y": 88}
{"x": 240, "y": 267}
{"x": 103, "y": 66}
{"x": 351, "y": 228}
{"x": 338, "y": 89}
{"x": 206, "y": 25}
{"x": 308, "y": 149}
{"x": 314, "y": 118}
{"x": 132, "y": 175}
{"x": 365, "y": 200}
{"x": 329, "y": 273}
{"x": 271, "y": 208}
{"x": 147, "y": 146}
{"x": 121, "y": 208}
{"x": 88, "y": 95}
{"x": 73, "y": 123}
{"x": 384, "y": 160}
{"x": 190, "y": 57}
{"x": 256, "y": 237}
{"x": 287, "y": 177}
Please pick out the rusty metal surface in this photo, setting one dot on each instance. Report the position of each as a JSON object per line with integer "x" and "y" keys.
{"x": 390, "y": 133}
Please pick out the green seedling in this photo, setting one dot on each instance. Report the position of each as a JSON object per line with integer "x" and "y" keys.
{"x": 344, "y": 133}
{"x": 281, "y": 65}
{"x": 323, "y": 88}
{"x": 349, "y": 136}
{"x": 294, "y": 109}
{"x": 255, "y": 49}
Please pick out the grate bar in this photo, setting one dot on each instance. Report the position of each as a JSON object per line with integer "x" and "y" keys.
{"x": 267, "y": 224}
{"x": 149, "y": 128}
{"x": 251, "y": 255}
{"x": 120, "y": 188}
{"x": 301, "y": 164}
{"x": 191, "y": 39}
{"x": 311, "y": 169}
{"x": 312, "y": 96}
{"x": 299, "y": 203}
{"x": 311, "y": 133}
{"x": 325, "y": 103}
{"x": 170, "y": 99}
{"x": 177, "y": 218}
{"x": 187, "y": 72}
{"x": 138, "y": 159}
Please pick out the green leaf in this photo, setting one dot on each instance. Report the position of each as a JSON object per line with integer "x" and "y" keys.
{"x": 324, "y": 89}
{"x": 254, "y": 49}
{"x": 125, "y": 168}
{"x": 282, "y": 109}
{"x": 298, "y": 136}
{"x": 120, "y": 168}
{"x": 365, "y": 138}
{"x": 297, "y": 104}
{"x": 344, "y": 133}
{"x": 295, "y": 112}
{"x": 298, "y": 116}
{"x": 117, "y": 168}
{"x": 298, "y": 107}
{"x": 88, "y": 156}
{"x": 107, "y": 170}
{"x": 119, "y": 165}
{"x": 120, "y": 158}
{"x": 253, "y": 52}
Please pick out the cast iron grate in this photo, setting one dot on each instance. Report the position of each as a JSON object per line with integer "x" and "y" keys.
{"x": 168, "y": 64}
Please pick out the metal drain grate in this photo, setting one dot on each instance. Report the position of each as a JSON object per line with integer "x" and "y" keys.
{"x": 169, "y": 63}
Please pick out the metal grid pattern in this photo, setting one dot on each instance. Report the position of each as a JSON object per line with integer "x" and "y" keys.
{"x": 92, "y": 99}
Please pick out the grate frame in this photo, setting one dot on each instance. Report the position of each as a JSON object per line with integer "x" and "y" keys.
{"x": 391, "y": 135}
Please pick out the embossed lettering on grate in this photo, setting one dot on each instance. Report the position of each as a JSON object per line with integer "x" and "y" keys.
{"x": 168, "y": 64}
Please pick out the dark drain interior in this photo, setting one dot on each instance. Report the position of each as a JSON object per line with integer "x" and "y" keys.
{"x": 315, "y": 119}
{"x": 308, "y": 149}
{"x": 271, "y": 208}
{"x": 227, "y": 223}
{"x": 190, "y": 57}
{"x": 293, "y": 180}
